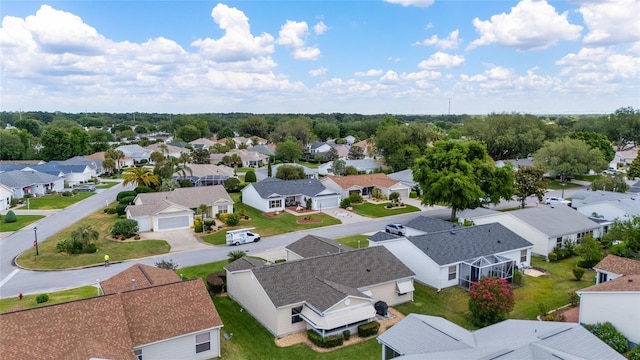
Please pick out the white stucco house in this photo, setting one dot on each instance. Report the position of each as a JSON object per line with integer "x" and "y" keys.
{"x": 6, "y": 194}
{"x": 168, "y": 320}
{"x": 173, "y": 210}
{"x": 363, "y": 166}
{"x": 136, "y": 152}
{"x": 328, "y": 294}
{"x": 32, "y": 182}
{"x": 444, "y": 256}
{"x": 605, "y": 207}
{"x": 364, "y": 185}
{"x": 73, "y": 174}
{"x": 424, "y": 337}
{"x": 545, "y": 226}
{"x": 273, "y": 194}
{"x": 615, "y": 297}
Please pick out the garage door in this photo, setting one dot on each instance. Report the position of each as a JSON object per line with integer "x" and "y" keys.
{"x": 143, "y": 224}
{"x": 176, "y": 222}
{"x": 328, "y": 203}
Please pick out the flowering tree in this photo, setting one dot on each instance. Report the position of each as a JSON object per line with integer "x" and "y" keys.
{"x": 491, "y": 300}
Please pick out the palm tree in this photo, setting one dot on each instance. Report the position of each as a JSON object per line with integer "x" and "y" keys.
{"x": 114, "y": 154}
{"x": 109, "y": 165}
{"x": 84, "y": 234}
{"x": 139, "y": 176}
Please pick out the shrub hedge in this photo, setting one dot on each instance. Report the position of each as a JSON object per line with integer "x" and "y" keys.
{"x": 325, "y": 342}
{"x": 368, "y": 329}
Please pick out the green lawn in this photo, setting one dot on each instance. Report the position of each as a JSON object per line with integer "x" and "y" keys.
{"x": 106, "y": 184}
{"x": 48, "y": 258}
{"x": 352, "y": 241}
{"x": 557, "y": 185}
{"x": 23, "y": 220}
{"x": 55, "y": 201}
{"x": 587, "y": 177}
{"x": 378, "y": 210}
{"x": 29, "y": 301}
{"x": 268, "y": 226}
{"x": 310, "y": 165}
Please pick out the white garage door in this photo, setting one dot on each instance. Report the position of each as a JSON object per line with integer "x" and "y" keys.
{"x": 143, "y": 224}
{"x": 328, "y": 203}
{"x": 175, "y": 222}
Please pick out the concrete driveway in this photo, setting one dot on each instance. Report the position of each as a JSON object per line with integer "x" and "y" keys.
{"x": 180, "y": 240}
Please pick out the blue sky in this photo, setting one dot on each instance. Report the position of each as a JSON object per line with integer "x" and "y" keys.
{"x": 367, "y": 56}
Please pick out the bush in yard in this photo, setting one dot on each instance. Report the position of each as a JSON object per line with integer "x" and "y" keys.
{"x": 590, "y": 250}
{"x": 232, "y": 185}
{"x": 368, "y": 329}
{"x": 325, "y": 342}
{"x": 91, "y": 248}
{"x": 121, "y": 209}
{"x": 345, "y": 203}
{"x": 490, "y": 301}
{"x": 142, "y": 189}
{"x": 518, "y": 278}
{"x": 232, "y": 220}
{"x": 125, "y": 227}
{"x": 634, "y": 354}
{"x": 167, "y": 264}
{"x": 578, "y": 272}
{"x": 346, "y": 334}
{"x": 124, "y": 194}
{"x": 42, "y": 298}
{"x": 250, "y": 176}
{"x": 553, "y": 256}
{"x": 10, "y": 217}
{"x": 111, "y": 210}
{"x": 394, "y": 196}
{"x": 127, "y": 200}
{"x": 355, "y": 198}
{"x": 610, "y": 335}
{"x": 574, "y": 299}
{"x": 215, "y": 284}
{"x": 376, "y": 193}
{"x": 67, "y": 194}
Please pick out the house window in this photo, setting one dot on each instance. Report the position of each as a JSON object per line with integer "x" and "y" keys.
{"x": 203, "y": 342}
{"x": 453, "y": 272}
{"x": 523, "y": 256}
{"x": 295, "y": 314}
{"x": 138, "y": 354}
{"x": 275, "y": 204}
{"x": 559, "y": 241}
{"x": 223, "y": 209}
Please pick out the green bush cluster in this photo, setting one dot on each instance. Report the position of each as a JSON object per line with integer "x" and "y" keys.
{"x": 42, "y": 298}
{"x": 124, "y": 227}
{"x": 561, "y": 253}
{"x": 578, "y": 272}
{"x": 368, "y": 329}
{"x": 123, "y": 194}
{"x": 610, "y": 335}
{"x": 232, "y": 220}
{"x": 325, "y": 342}
{"x": 518, "y": 278}
{"x": 73, "y": 247}
{"x": 355, "y": 198}
{"x": 10, "y": 217}
{"x": 634, "y": 354}
{"x": 110, "y": 210}
{"x": 574, "y": 299}
{"x": 67, "y": 194}
{"x": 250, "y": 176}
{"x": 142, "y": 189}
{"x": 588, "y": 264}
{"x": 121, "y": 209}
{"x": 345, "y": 203}
{"x": 346, "y": 334}
{"x": 215, "y": 282}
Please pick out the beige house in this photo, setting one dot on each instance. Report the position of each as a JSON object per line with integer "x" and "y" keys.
{"x": 364, "y": 185}
{"x": 328, "y": 293}
{"x": 175, "y": 320}
{"x": 173, "y": 210}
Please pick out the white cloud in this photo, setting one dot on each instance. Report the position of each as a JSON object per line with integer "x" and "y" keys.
{"x": 450, "y": 42}
{"x": 293, "y": 35}
{"x": 370, "y": 72}
{"x": 611, "y": 22}
{"x": 416, "y": 3}
{"x": 318, "y": 72}
{"x": 237, "y": 43}
{"x": 635, "y": 49}
{"x": 320, "y": 28}
{"x": 600, "y": 66}
{"x": 441, "y": 60}
{"x": 530, "y": 25}
{"x": 390, "y": 76}
{"x": 393, "y": 59}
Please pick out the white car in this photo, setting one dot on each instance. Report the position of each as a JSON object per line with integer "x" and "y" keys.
{"x": 397, "y": 229}
{"x": 556, "y": 200}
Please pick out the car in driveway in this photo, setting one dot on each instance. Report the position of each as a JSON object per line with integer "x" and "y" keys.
{"x": 396, "y": 229}
{"x": 552, "y": 200}
{"x": 86, "y": 188}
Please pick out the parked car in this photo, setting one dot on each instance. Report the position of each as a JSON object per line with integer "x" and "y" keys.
{"x": 611, "y": 171}
{"x": 241, "y": 236}
{"x": 397, "y": 229}
{"x": 86, "y": 188}
{"x": 556, "y": 200}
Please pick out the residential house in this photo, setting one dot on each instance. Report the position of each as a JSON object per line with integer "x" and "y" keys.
{"x": 367, "y": 147}
{"x": 453, "y": 256}
{"x": 405, "y": 177}
{"x": 177, "y": 320}
{"x": 73, "y": 174}
{"x": 263, "y": 149}
{"x": 424, "y": 337}
{"x": 366, "y": 166}
{"x": 136, "y": 152}
{"x": 364, "y": 185}
{"x": 249, "y": 158}
{"x": 545, "y": 226}
{"x": 202, "y": 143}
{"x": 173, "y": 210}
{"x": 605, "y": 207}
{"x": 516, "y": 163}
{"x": 318, "y": 148}
{"x": 167, "y": 150}
{"x": 615, "y": 297}
{"x": 263, "y": 172}
{"x": 30, "y": 182}
{"x": 207, "y": 174}
{"x": 136, "y": 277}
{"x": 623, "y": 158}
{"x": 328, "y": 293}
{"x": 95, "y": 167}
{"x": 6, "y": 194}
{"x": 120, "y": 163}
{"x": 273, "y": 194}
{"x": 312, "y": 245}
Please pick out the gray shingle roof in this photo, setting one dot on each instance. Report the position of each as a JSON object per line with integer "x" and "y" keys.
{"x": 585, "y": 197}
{"x": 312, "y": 245}
{"x": 309, "y": 187}
{"x": 18, "y": 178}
{"x": 429, "y": 224}
{"x": 382, "y": 236}
{"x": 555, "y": 221}
{"x": 464, "y": 243}
{"x": 323, "y": 281}
{"x": 190, "y": 197}
{"x": 244, "y": 263}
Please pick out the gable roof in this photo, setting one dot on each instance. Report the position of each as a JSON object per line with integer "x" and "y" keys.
{"x": 428, "y": 337}
{"x": 619, "y": 265}
{"x": 134, "y": 151}
{"x": 364, "y": 180}
{"x": 201, "y": 170}
{"x": 311, "y": 245}
{"x": 144, "y": 275}
{"x": 623, "y": 283}
{"x": 322, "y": 281}
{"x": 430, "y": 225}
{"x": 18, "y": 178}
{"x": 263, "y": 172}
{"x": 108, "y": 326}
{"x": 465, "y": 243}
{"x": 405, "y": 176}
{"x": 556, "y": 220}
{"x": 190, "y": 197}
{"x": 171, "y": 149}
{"x": 263, "y": 149}
{"x": 271, "y": 186}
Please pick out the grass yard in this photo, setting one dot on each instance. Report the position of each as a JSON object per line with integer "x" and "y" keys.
{"x": 352, "y": 241}
{"x": 557, "y": 185}
{"x": 310, "y": 165}
{"x": 29, "y": 301}
{"x": 589, "y": 178}
{"x": 268, "y": 226}
{"x": 23, "y": 220}
{"x": 378, "y": 210}
{"x": 106, "y": 184}
{"x": 117, "y": 250}
{"x": 55, "y": 201}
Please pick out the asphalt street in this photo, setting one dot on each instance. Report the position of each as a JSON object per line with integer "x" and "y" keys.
{"x": 14, "y": 281}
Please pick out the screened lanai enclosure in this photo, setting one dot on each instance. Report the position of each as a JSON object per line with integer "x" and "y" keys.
{"x": 492, "y": 265}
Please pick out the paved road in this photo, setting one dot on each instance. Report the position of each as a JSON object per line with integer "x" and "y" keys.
{"x": 15, "y": 281}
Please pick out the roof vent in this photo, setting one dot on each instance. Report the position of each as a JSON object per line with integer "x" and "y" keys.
{"x": 133, "y": 284}
{"x": 453, "y": 232}
{"x": 499, "y": 242}
{"x": 368, "y": 270}
{"x": 630, "y": 280}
